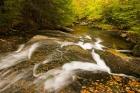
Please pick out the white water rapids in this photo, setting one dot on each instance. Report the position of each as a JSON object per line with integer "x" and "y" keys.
{"x": 54, "y": 79}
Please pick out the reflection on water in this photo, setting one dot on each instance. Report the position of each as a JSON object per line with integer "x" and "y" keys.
{"x": 110, "y": 38}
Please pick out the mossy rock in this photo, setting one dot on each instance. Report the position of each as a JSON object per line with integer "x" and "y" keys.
{"x": 121, "y": 64}
{"x": 136, "y": 50}
{"x": 133, "y": 37}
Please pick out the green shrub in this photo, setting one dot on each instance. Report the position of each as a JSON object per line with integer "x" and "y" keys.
{"x": 124, "y": 15}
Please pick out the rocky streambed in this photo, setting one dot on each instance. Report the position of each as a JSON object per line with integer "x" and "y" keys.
{"x": 85, "y": 61}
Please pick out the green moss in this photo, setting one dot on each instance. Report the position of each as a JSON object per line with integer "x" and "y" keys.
{"x": 121, "y": 55}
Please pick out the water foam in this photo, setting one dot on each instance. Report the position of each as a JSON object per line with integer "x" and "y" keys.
{"x": 18, "y": 56}
{"x": 54, "y": 79}
{"x": 7, "y": 80}
{"x": 64, "y": 75}
{"x": 68, "y": 70}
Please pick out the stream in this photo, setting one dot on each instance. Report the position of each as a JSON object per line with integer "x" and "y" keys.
{"x": 69, "y": 63}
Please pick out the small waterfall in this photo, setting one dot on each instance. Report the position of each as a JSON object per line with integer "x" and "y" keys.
{"x": 100, "y": 61}
{"x": 124, "y": 51}
{"x": 18, "y": 56}
{"x": 88, "y": 37}
{"x": 85, "y": 45}
{"x": 97, "y": 44}
{"x": 64, "y": 75}
{"x": 20, "y": 48}
{"x": 57, "y": 78}
{"x": 9, "y": 77}
{"x": 32, "y": 49}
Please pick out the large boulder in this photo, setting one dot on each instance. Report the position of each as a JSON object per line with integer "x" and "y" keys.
{"x": 133, "y": 37}
{"x": 120, "y": 63}
{"x": 136, "y": 50}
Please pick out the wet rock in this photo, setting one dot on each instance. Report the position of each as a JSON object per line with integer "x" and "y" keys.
{"x": 136, "y": 50}
{"x": 83, "y": 23}
{"x": 40, "y": 38}
{"x": 9, "y": 43}
{"x": 130, "y": 36}
{"x": 74, "y": 87}
{"x": 123, "y": 35}
{"x": 133, "y": 37}
{"x": 121, "y": 63}
{"x": 89, "y": 76}
{"x": 65, "y": 29}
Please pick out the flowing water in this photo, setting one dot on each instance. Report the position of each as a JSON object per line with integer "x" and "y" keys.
{"x": 50, "y": 64}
